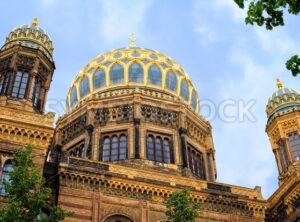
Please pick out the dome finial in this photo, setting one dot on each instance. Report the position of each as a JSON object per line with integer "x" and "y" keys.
{"x": 279, "y": 84}
{"x": 34, "y": 22}
{"x": 132, "y": 38}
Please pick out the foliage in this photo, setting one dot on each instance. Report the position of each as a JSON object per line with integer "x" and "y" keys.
{"x": 270, "y": 14}
{"x": 180, "y": 208}
{"x": 28, "y": 198}
{"x": 293, "y": 64}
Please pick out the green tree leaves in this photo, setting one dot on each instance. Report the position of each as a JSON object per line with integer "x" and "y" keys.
{"x": 28, "y": 198}
{"x": 180, "y": 208}
{"x": 269, "y": 13}
{"x": 293, "y": 64}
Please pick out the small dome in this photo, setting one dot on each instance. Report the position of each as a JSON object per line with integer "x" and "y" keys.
{"x": 283, "y": 99}
{"x": 133, "y": 67}
{"x": 31, "y": 36}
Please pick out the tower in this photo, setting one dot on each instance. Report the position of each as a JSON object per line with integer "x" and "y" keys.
{"x": 26, "y": 69}
{"x": 283, "y": 129}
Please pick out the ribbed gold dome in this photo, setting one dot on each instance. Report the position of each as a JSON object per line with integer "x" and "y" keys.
{"x": 283, "y": 99}
{"x": 133, "y": 67}
{"x": 31, "y": 36}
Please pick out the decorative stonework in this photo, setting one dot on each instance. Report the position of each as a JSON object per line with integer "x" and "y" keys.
{"x": 5, "y": 62}
{"x": 196, "y": 133}
{"x": 25, "y": 62}
{"x": 117, "y": 114}
{"x": 159, "y": 116}
{"x": 73, "y": 129}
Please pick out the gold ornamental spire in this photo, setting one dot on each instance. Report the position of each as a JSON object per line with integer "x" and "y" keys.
{"x": 34, "y": 22}
{"x": 132, "y": 38}
{"x": 279, "y": 84}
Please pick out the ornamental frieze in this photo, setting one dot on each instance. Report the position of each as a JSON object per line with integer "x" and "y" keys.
{"x": 5, "y": 63}
{"x": 73, "y": 129}
{"x": 160, "y": 116}
{"x": 26, "y": 62}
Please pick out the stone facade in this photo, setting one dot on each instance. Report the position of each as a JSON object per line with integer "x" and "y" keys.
{"x": 125, "y": 145}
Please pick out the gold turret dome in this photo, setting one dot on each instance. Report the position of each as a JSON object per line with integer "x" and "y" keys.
{"x": 32, "y": 36}
{"x": 136, "y": 68}
{"x": 283, "y": 100}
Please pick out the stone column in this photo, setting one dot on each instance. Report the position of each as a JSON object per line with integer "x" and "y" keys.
{"x": 137, "y": 138}
{"x": 184, "y": 153}
{"x": 89, "y": 128}
{"x": 278, "y": 161}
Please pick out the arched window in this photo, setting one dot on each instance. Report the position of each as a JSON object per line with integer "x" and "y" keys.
{"x": 106, "y": 149}
{"x": 78, "y": 150}
{"x": 84, "y": 87}
{"x": 184, "y": 91}
{"x": 150, "y": 147}
{"x": 116, "y": 74}
{"x": 167, "y": 157}
{"x": 74, "y": 98}
{"x": 136, "y": 73}
{"x": 171, "y": 81}
{"x": 196, "y": 162}
{"x": 5, "y": 176}
{"x": 3, "y": 82}
{"x": 36, "y": 92}
{"x": 154, "y": 75}
{"x": 159, "y": 148}
{"x": 20, "y": 84}
{"x": 99, "y": 79}
{"x": 283, "y": 154}
{"x": 114, "y": 147}
{"x": 294, "y": 140}
{"x": 123, "y": 144}
{"x": 194, "y": 100}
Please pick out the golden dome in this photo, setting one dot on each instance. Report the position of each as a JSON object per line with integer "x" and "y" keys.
{"x": 282, "y": 100}
{"x": 133, "y": 67}
{"x": 31, "y": 36}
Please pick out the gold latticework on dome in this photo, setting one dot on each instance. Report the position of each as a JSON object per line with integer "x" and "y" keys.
{"x": 133, "y": 67}
{"x": 31, "y": 36}
{"x": 282, "y": 100}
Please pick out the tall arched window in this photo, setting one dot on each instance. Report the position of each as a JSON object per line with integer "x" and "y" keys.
{"x": 20, "y": 84}
{"x": 150, "y": 147}
{"x": 159, "y": 148}
{"x": 5, "y": 176}
{"x": 106, "y": 149}
{"x": 84, "y": 87}
{"x": 3, "y": 82}
{"x": 36, "y": 92}
{"x": 154, "y": 75}
{"x": 171, "y": 81}
{"x": 294, "y": 140}
{"x": 184, "y": 91}
{"x": 283, "y": 154}
{"x": 136, "y": 73}
{"x": 123, "y": 144}
{"x": 194, "y": 100}
{"x": 167, "y": 146}
{"x": 78, "y": 150}
{"x": 99, "y": 79}
{"x": 116, "y": 74}
{"x": 74, "y": 98}
{"x": 113, "y": 146}
{"x": 196, "y": 162}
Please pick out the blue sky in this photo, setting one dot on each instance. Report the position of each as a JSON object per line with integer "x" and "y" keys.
{"x": 225, "y": 59}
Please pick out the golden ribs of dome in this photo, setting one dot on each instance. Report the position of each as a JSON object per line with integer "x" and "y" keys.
{"x": 31, "y": 36}
{"x": 125, "y": 58}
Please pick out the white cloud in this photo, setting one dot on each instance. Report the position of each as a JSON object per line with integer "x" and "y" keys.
{"x": 120, "y": 18}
